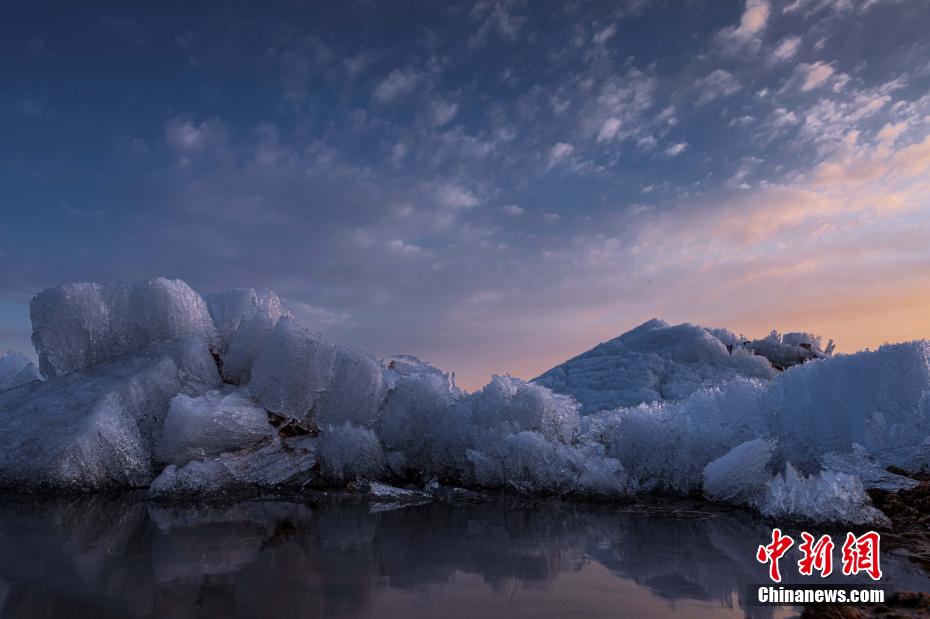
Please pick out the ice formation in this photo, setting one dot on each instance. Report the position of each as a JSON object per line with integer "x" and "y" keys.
{"x": 95, "y": 429}
{"x": 274, "y": 463}
{"x": 879, "y": 399}
{"x": 298, "y": 374}
{"x": 244, "y": 319}
{"x": 16, "y": 370}
{"x": 208, "y": 425}
{"x": 134, "y": 399}
{"x": 654, "y": 361}
{"x": 75, "y": 326}
{"x": 790, "y": 349}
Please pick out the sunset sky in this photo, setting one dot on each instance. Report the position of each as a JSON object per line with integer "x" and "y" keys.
{"x": 494, "y": 186}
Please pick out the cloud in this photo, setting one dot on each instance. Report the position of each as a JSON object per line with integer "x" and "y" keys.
{"x": 782, "y": 117}
{"x": 442, "y": 111}
{"x": 400, "y": 247}
{"x": 559, "y": 153}
{"x": 676, "y": 149}
{"x": 647, "y": 142}
{"x": 617, "y": 109}
{"x": 496, "y": 16}
{"x": 358, "y": 63}
{"x": 752, "y": 23}
{"x": 185, "y": 136}
{"x": 125, "y": 27}
{"x": 608, "y": 129}
{"x": 716, "y": 84}
{"x": 385, "y": 194}
{"x": 830, "y": 120}
{"x": 399, "y": 83}
{"x": 814, "y": 75}
{"x": 455, "y": 196}
{"x": 810, "y": 7}
{"x": 787, "y": 49}
{"x": 602, "y": 36}
{"x": 398, "y": 153}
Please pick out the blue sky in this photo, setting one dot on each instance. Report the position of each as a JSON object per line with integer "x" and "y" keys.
{"x": 492, "y": 185}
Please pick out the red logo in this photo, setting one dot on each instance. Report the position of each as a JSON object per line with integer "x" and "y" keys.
{"x": 817, "y": 556}
{"x": 860, "y": 554}
{"x": 773, "y": 552}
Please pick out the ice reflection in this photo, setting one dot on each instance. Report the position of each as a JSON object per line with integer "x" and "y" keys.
{"x": 337, "y": 557}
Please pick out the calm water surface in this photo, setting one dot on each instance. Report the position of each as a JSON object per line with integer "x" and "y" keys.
{"x": 337, "y": 557}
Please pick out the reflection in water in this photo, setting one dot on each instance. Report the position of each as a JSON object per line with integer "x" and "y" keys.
{"x": 104, "y": 556}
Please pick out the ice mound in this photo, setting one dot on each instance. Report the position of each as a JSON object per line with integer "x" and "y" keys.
{"x": 878, "y": 399}
{"x": 274, "y": 463}
{"x": 350, "y": 452}
{"x": 95, "y": 429}
{"x": 16, "y": 370}
{"x": 666, "y": 445}
{"x": 740, "y": 475}
{"x": 744, "y": 476}
{"x": 416, "y": 423}
{"x": 208, "y": 425}
{"x": 662, "y": 408}
{"x": 829, "y": 496}
{"x": 869, "y": 471}
{"x": 509, "y": 435}
{"x": 244, "y": 319}
{"x": 399, "y": 367}
{"x": 653, "y": 362}
{"x": 75, "y": 326}
{"x": 790, "y": 349}
{"x": 299, "y": 375}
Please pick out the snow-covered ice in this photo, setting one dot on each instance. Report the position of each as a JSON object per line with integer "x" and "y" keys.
{"x": 75, "y": 326}
{"x": 94, "y": 429}
{"x": 16, "y": 370}
{"x": 274, "y": 463}
{"x": 740, "y": 475}
{"x": 655, "y": 361}
{"x": 208, "y": 425}
{"x": 879, "y": 399}
{"x": 790, "y": 349}
{"x": 244, "y": 319}
{"x": 350, "y": 452}
{"x": 134, "y": 393}
{"x": 298, "y": 374}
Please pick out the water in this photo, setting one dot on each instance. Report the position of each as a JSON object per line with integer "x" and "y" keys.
{"x": 335, "y": 557}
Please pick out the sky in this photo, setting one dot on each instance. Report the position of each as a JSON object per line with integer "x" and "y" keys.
{"x": 494, "y": 185}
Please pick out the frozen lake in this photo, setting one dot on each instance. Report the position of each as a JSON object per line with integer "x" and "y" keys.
{"x": 339, "y": 557}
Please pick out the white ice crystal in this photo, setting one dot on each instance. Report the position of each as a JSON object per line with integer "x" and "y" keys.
{"x": 350, "y": 452}
{"x": 75, "y": 326}
{"x": 827, "y": 496}
{"x": 740, "y": 475}
{"x": 869, "y": 471}
{"x": 269, "y": 464}
{"x": 878, "y": 399}
{"x": 653, "y": 362}
{"x": 666, "y": 445}
{"x": 244, "y": 319}
{"x": 678, "y": 409}
{"x": 16, "y": 370}
{"x": 300, "y": 375}
{"x": 790, "y": 349}
{"x": 208, "y": 425}
{"x": 94, "y": 429}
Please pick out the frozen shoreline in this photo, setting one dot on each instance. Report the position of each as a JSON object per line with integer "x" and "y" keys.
{"x": 151, "y": 385}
